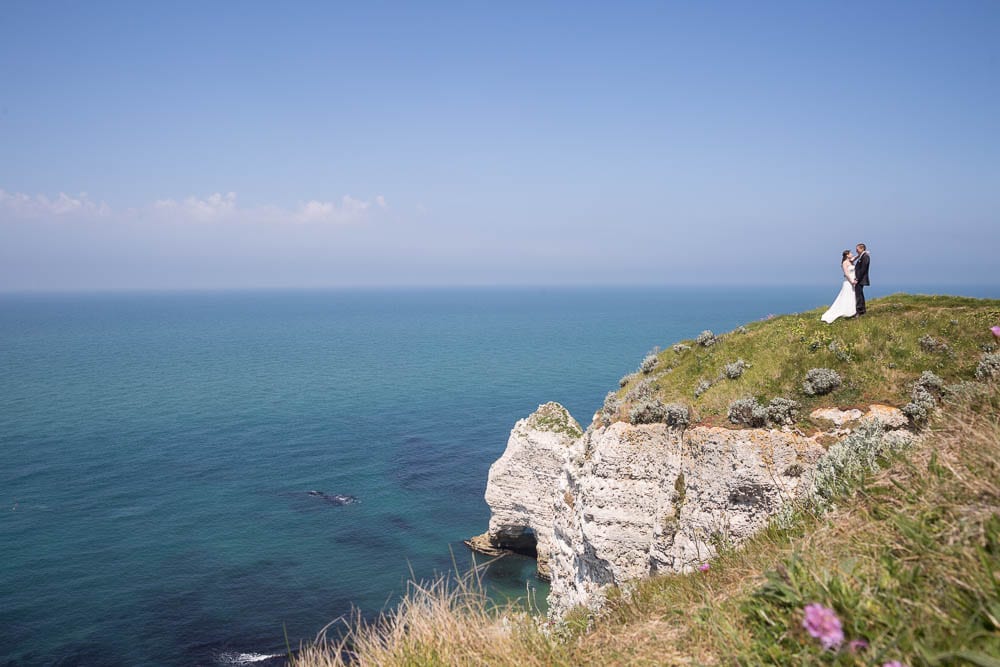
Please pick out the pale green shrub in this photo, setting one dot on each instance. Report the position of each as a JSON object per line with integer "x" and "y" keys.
{"x": 821, "y": 381}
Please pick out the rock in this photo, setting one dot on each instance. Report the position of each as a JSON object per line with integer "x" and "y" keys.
{"x": 837, "y": 416}
{"x": 637, "y": 499}
{"x": 484, "y": 545}
{"x": 891, "y": 417}
{"x": 523, "y": 483}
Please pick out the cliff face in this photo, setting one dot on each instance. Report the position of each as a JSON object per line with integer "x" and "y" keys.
{"x": 620, "y": 502}
{"x": 523, "y": 484}
{"x": 635, "y": 500}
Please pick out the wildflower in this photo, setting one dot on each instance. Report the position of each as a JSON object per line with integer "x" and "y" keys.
{"x": 893, "y": 663}
{"x": 822, "y": 623}
{"x": 704, "y": 567}
{"x": 996, "y": 331}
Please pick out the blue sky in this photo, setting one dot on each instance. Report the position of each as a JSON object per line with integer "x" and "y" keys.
{"x": 216, "y": 145}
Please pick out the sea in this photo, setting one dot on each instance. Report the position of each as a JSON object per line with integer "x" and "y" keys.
{"x": 211, "y": 478}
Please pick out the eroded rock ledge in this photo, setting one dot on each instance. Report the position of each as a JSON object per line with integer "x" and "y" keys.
{"x": 523, "y": 483}
{"x": 620, "y": 502}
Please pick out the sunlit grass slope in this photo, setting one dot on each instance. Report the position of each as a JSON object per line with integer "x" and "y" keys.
{"x": 878, "y": 356}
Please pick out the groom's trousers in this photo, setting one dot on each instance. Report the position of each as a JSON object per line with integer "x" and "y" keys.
{"x": 859, "y": 299}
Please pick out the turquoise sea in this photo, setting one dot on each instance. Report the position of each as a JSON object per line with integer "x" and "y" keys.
{"x": 158, "y": 450}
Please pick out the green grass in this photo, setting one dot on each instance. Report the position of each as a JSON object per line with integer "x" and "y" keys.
{"x": 878, "y": 356}
{"x": 553, "y": 417}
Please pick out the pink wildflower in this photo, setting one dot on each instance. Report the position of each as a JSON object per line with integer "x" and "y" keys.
{"x": 704, "y": 567}
{"x": 822, "y": 623}
{"x": 996, "y": 331}
{"x": 894, "y": 663}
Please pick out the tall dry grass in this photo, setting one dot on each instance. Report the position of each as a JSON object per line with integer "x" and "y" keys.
{"x": 448, "y": 621}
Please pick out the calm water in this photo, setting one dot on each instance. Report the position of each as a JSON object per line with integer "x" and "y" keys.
{"x": 158, "y": 450}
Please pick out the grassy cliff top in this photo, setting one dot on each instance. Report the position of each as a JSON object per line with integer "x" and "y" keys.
{"x": 878, "y": 357}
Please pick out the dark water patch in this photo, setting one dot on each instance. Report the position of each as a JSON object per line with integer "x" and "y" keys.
{"x": 84, "y": 654}
{"x": 400, "y": 523}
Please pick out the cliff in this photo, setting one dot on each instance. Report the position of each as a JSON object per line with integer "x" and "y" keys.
{"x": 523, "y": 483}
{"x": 620, "y": 502}
{"x": 708, "y": 441}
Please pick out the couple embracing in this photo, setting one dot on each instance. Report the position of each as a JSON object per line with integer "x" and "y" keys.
{"x": 851, "y": 300}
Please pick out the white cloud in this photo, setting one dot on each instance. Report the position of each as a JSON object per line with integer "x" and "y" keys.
{"x": 347, "y": 210}
{"x": 216, "y": 207}
{"x": 20, "y": 205}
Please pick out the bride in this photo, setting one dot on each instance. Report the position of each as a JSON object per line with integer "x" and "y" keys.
{"x": 843, "y": 305}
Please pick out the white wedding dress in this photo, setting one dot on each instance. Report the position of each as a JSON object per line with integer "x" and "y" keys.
{"x": 844, "y": 304}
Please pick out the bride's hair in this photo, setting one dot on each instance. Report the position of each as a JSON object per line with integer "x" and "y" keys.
{"x": 845, "y": 255}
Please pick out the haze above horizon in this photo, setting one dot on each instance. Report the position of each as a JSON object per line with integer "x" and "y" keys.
{"x": 185, "y": 146}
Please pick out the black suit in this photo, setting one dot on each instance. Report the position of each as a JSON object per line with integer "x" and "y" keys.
{"x": 861, "y": 281}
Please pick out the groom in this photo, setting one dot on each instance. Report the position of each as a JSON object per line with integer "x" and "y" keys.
{"x": 860, "y": 278}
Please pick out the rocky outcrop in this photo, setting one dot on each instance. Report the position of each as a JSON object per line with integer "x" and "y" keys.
{"x": 523, "y": 484}
{"x": 891, "y": 418}
{"x": 623, "y": 501}
{"x": 635, "y": 500}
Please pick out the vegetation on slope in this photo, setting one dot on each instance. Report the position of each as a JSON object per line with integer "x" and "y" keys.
{"x": 878, "y": 357}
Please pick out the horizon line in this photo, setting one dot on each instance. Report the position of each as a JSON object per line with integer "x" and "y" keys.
{"x": 468, "y": 286}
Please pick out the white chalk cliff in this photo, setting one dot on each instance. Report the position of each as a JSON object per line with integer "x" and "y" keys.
{"x": 522, "y": 484}
{"x": 623, "y": 501}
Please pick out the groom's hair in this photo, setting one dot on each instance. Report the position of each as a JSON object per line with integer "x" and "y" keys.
{"x": 862, "y": 246}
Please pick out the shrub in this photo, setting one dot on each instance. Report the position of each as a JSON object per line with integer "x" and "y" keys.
{"x": 782, "y": 411}
{"x": 677, "y": 415}
{"x": 627, "y": 378}
{"x": 740, "y": 330}
{"x": 931, "y": 382}
{"x": 920, "y": 405}
{"x": 648, "y": 412}
{"x": 929, "y": 343}
{"x": 649, "y": 363}
{"x": 735, "y": 369}
{"x": 821, "y": 381}
{"x": 610, "y": 408}
{"x": 989, "y": 367}
{"x": 703, "y": 386}
{"x": 706, "y": 338}
{"x": 923, "y": 397}
{"x": 747, "y": 411}
{"x": 846, "y": 461}
{"x": 915, "y": 412}
{"x": 681, "y": 347}
{"x": 641, "y": 391}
